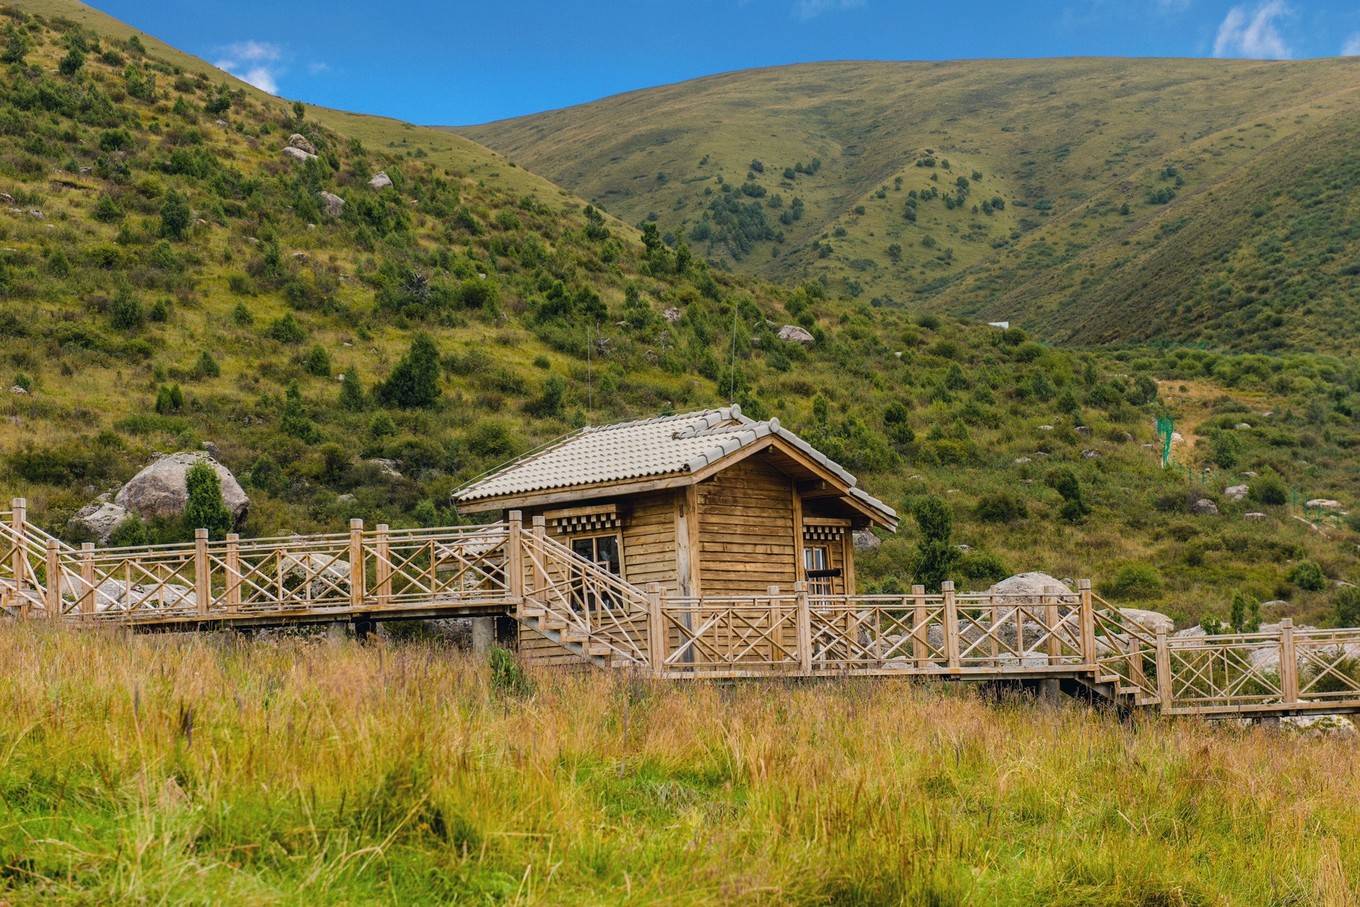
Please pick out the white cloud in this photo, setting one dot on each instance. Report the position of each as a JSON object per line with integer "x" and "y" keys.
{"x": 257, "y": 62}
{"x": 1352, "y": 46}
{"x": 1253, "y": 32}
{"x": 811, "y": 9}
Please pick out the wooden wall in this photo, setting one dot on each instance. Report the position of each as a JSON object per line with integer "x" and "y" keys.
{"x": 746, "y": 530}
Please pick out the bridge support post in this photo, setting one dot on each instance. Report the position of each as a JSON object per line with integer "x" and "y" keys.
{"x": 233, "y": 559}
{"x": 514, "y": 559}
{"x": 804, "y": 621}
{"x": 656, "y": 630}
{"x": 87, "y": 602}
{"x": 1164, "y": 688}
{"x": 52, "y": 592}
{"x": 1088, "y": 623}
{"x": 483, "y": 634}
{"x": 202, "y": 571}
{"x": 538, "y": 577}
{"x": 951, "y": 625}
{"x": 18, "y": 517}
{"x": 1052, "y": 645}
{"x": 356, "y": 563}
{"x": 1289, "y": 665}
{"x": 920, "y": 629}
{"x": 382, "y": 565}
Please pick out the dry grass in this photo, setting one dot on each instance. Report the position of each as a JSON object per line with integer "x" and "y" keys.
{"x": 210, "y": 770}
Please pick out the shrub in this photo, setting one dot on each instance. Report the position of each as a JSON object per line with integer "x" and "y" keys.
{"x": 1307, "y": 575}
{"x": 414, "y": 381}
{"x": 1268, "y": 489}
{"x": 1347, "y": 606}
{"x": 983, "y": 565}
{"x": 317, "y": 362}
{"x": 935, "y": 550}
{"x": 175, "y": 216}
{"x": 1064, "y": 482}
{"x": 207, "y": 366}
{"x": 205, "y": 508}
{"x": 352, "y": 391}
{"x": 169, "y": 399}
{"x": 1001, "y": 508}
{"x": 286, "y": 329}
{"x": 1245, "y": 612}
{"x": 1225, "y": 450}
{"x": 125, "y": 312}
{"x": 1133, "y": 581}
{"x": 508, "y": 677}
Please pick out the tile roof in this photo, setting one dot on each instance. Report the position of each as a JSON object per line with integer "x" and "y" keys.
{"x": 631, "y": 451}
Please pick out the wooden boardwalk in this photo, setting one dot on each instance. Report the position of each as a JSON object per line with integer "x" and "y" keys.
{"x": 366, "y": 575}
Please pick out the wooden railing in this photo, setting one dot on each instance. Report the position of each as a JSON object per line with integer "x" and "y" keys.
{"x": 506, "y": 567}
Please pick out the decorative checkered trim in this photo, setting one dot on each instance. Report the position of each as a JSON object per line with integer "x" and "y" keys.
{"x": 823, "y": 533}
{"x": 587, "y": 523}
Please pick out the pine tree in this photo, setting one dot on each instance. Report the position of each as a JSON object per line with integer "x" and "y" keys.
{"x": 935, "y": 551}
{"x": 352, "y": 391}
{"x": 415, "y": 380}
{"x": 205, "y": 508}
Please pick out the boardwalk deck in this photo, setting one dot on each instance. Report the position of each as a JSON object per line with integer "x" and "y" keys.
{"x": 500, "y": 568}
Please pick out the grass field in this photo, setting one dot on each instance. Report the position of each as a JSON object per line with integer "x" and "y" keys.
{"x": 217, "y": 770}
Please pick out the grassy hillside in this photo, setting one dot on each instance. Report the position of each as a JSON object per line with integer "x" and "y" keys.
{"x": 198, "y": 771}
{"x": 1094, "y": 200}
{"x": 183, "y": 284}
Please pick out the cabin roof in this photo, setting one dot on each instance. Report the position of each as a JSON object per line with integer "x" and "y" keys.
{"x": 679, "y": 446}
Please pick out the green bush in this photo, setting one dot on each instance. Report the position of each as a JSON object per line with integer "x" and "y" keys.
{"x": 1133, "y": 581}
{"x": 1001, "y": 508}
{"x": 414, "y": 381}
{"x": 205, "y": 508}
{"x": 1308, "y": 575}
{"x": 1269, "y": 490}
{"x": 1346, "y": 604}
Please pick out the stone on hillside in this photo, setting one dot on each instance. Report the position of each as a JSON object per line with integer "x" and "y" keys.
{"x": 1177, "y": 437}
{"x": 6, "y": 198}
{"x": 1082, "y": 429}
{"x": 1254, "y": 515}
{"x": 331, "y": 203}
{"x": 298, "y": 154}
{"x": 99, "y": 519}
{"x": 792, "y": 333}
{"x": 1090, "y": 454}
{"x": 1033, "y": 585}
{"x": 1204, "y": 507}
{"x": 1274, "y": 603}
{"x": 1242, "y": 426}
{"x": 385, "y": 467}
{"x": 325, "y": 575}
{"x": 672, "y": 314}
{"x": 1338, "y": 726}
{"x": 1324, "y": 504}
{"x": 380, "y": 180}
{"x": 160, "y": 490}
{"x": 297, "y": 140}
{"x": 1021, "y": 461}
{"x": 1045, "y": 428}
{"x": 1152, "y": 621}
{"x": 865, "y": 540}
{"x": 18, "y": 390}
{"x": 1235, "y": 492}
{"x": 116, "y": 595}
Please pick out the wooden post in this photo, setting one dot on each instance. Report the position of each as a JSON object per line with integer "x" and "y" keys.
{"x": 951, "y": 625}
{"x": 87, "y": 597}
{"x": 920, "y": 631}
{"x": 382, "y": 564}
{"x": 1051, "y": 619}
{"x": 202, "y": 585}
{"x": 772, "y": 615}
{"x": 1289, "y": 665}
{"x": 538, "y": 577}
{"x": 656, "y": 630}
{"x": 1088, "y": 623}
{"x": 52, "y": 593}
{"x": 804, "y": 627}
{"x": 514, "y": 559}
{"x": 357, "y": 580}
{"x": 993, "y": 630}
{"x": 233, "y": 559}
{"x": 19, "y": 564}
{"x": 1164, "y": 687}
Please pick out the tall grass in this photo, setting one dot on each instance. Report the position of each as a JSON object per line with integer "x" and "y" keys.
{"x": 212, "y": 770}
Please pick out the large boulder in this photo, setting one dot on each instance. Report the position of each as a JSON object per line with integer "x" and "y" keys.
{"x": 380, "y": 180}
{"x": 1338, "y": 726}
{"x": 331, "y": 203}
{"x": 1204, "y": 507}
{"x": 1324, "y": 504}
{"x": 1151, "y": 621}
{"x": 297, "y": 140}
{"x": 160, "y": 491}
{"x": 792, "y": 333}
{"x": 99, "y": 519}
{"x": 1235, "y": 492}
{"x": 298, "y": 154}
{"x": 1031, "y": 584}
{"x": 865, "y": 540}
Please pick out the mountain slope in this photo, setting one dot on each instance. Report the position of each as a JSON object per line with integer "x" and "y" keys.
{"x": 1085, "y": 198}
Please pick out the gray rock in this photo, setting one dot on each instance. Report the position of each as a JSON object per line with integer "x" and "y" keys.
{"x": 1336, "y": 726}
{"x": 1021, "y": 461}
{"x": 1045, "y": 428}
{"x": 99, "y": 519}
{"x": 1090, "y": 454}
{"x": 20, "y": 391}
{"x": 333, "y": 204}
{"x": 386, "y": 468}
{"x": 1082, "y": 429}
{"x": 116, "y": 595}
{"x": 298, "y": 154}
{"x": 1235, "y": 492}
{"x": 792, "y": 333}
{"x": 1274, "y": 603}
{"x": 380, "y": 180}
{"x": 1152, "y": 621}
{"x": 300, "y": 142}
{"x": 1242, "y": 426}
{"x": 1033, "y": 584}
{"x": 1204, "y": 507}
{"x": 160, "y": 490}
{"x": 865, "y": 540}
{"x": 1324, "y": 504}
{"x": 1254, "y": 515}
{"x": 672, "y": 314}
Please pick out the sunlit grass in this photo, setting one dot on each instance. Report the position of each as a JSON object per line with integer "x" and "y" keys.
{"x": 207, "y": 770}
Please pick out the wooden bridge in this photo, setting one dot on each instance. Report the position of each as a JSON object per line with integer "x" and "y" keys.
{"x": 1073, "y": 640}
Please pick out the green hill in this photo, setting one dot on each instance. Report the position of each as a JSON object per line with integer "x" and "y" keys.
{"x": 169, "y": 277}
{"x": 1093, "y": 200}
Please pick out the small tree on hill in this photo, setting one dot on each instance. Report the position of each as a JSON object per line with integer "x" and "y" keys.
{"x": 935, "y": 551}
{"x": 1347, "y": 605}
{"x": 205, "y": 508}
{"x": 352, "y": 391}
{"x": 1064, "y": 482}
{"x": 415, "y": 380}
{"x": 175, "y": 215}
{"x": 1246, "y": 612}
{"x": 16, "y": 45}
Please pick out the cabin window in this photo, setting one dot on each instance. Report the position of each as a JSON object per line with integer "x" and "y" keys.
{"x": 817, "y": 567}
{"x": 602, "y": 550}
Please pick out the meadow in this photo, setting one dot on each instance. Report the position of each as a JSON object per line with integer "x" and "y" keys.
{"x": 141, "y": 769}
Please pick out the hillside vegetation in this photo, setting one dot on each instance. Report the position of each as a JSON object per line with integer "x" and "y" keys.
{"x": 204, "y": 771}
{"x": 1092, "y": 200}
{"x": 171, "y": 278}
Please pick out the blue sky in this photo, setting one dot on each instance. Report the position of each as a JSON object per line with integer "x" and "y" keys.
{"x": 454, "y": 63}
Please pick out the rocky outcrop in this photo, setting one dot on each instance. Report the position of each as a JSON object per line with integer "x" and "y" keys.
{"x": 1151, "y": 621}
{"x": 1337, "y": 726}
{"x": 160, "y": 491}
{"x": 865, "y": 540}
{"x": 1235, "y": 492}
{"x": 792, "y": 333}
{"x": 380, "y": 180}
{"x": 331, "y": 203}
{"x": 99, "y": 519}
{"x": 1204, "y": 507}
{"x": 298, "y": 154}
{"x": 1324, "y": 504}
{"x": 299, "y": 141}
{"x": 1031, "y": 584}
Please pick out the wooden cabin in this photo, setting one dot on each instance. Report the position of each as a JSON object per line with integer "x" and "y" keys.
{"x": 705, "y": 503}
